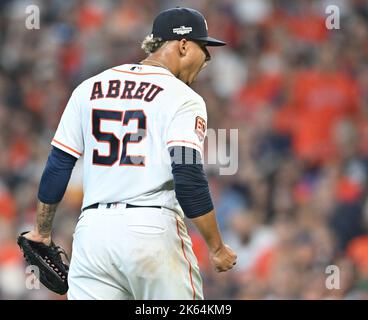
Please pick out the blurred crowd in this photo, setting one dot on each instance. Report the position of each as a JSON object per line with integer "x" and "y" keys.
{"x": 296, "y": 91}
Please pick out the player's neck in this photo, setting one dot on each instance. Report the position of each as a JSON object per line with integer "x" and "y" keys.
{"x": 159, "y": 61}
{"x": 154, "y": 63}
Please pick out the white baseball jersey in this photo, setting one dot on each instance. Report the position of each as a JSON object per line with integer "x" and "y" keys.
{"x": 122, "y": 121}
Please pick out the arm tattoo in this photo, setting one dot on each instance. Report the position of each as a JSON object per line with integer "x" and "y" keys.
{"x": 45, "y": 216}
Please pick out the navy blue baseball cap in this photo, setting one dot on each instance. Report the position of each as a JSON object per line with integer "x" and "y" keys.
{"x": 183, "y": 23}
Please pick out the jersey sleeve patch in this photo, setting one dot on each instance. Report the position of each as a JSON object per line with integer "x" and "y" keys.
{"x": 200, "y": 128}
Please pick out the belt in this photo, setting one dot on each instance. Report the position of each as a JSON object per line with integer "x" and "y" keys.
{"x": 115, "y": 204}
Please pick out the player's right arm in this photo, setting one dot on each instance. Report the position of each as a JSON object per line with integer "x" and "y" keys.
{"x": 185, "y": 141}
{"x": 222, "y": 256}
{"x": 192, "y": 192}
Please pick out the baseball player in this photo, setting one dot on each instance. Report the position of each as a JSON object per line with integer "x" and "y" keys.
{"x": 140, "y": 129}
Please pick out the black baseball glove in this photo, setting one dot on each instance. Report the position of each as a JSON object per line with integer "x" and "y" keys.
{"x": 53, "y": 271}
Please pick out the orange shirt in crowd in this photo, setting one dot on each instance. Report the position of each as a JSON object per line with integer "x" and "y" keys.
{"x": 257, "y": 94}
{"x": 263, "y": 265}
{"x": 89, "y": 17}
{"x": 19, "y": 153}
{"x": 319, "y": 100}
{"x": 7, "y": 204}
{"x": 200, "y": 250}
{"x": 10, "y": 253}
{"x": 357, "y": 250}
{"x": 307, "y": 27}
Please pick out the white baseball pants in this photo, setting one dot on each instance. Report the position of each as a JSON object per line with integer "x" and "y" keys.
{"x": 133, "y": 253}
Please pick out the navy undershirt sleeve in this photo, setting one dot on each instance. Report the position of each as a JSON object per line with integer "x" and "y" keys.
{"x": 191, "y": 186}
{"x": 56, "y": 175}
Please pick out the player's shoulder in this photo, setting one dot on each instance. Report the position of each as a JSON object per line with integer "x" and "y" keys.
{"x": 182, "y": 94}
{"x": 185, "y": 91}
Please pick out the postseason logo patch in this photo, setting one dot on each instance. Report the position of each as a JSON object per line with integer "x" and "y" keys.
{"x": 182, "y": 30}
{"x": 200, "y": 128}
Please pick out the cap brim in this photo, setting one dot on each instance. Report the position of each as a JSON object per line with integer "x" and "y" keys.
{"x": 212, "y": 41}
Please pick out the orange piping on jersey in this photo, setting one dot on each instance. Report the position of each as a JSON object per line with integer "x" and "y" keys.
{"x": 185, "y": 142}
{"x": 185, "y": 256}
{"x": 143, "y": 74}
{"x": 78, "y": 153}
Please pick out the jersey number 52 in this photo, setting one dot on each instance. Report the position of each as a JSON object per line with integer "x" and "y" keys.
{"x": 115, "y": 144}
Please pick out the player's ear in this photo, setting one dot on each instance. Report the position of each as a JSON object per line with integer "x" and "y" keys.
{"x": 183, "y": 47}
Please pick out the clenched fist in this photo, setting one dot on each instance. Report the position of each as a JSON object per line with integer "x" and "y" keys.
{"x": 223, "y": 258}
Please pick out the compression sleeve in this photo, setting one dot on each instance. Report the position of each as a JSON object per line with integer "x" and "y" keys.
{"x": 191, "y": 186}
{"x": 56, "y": 175}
